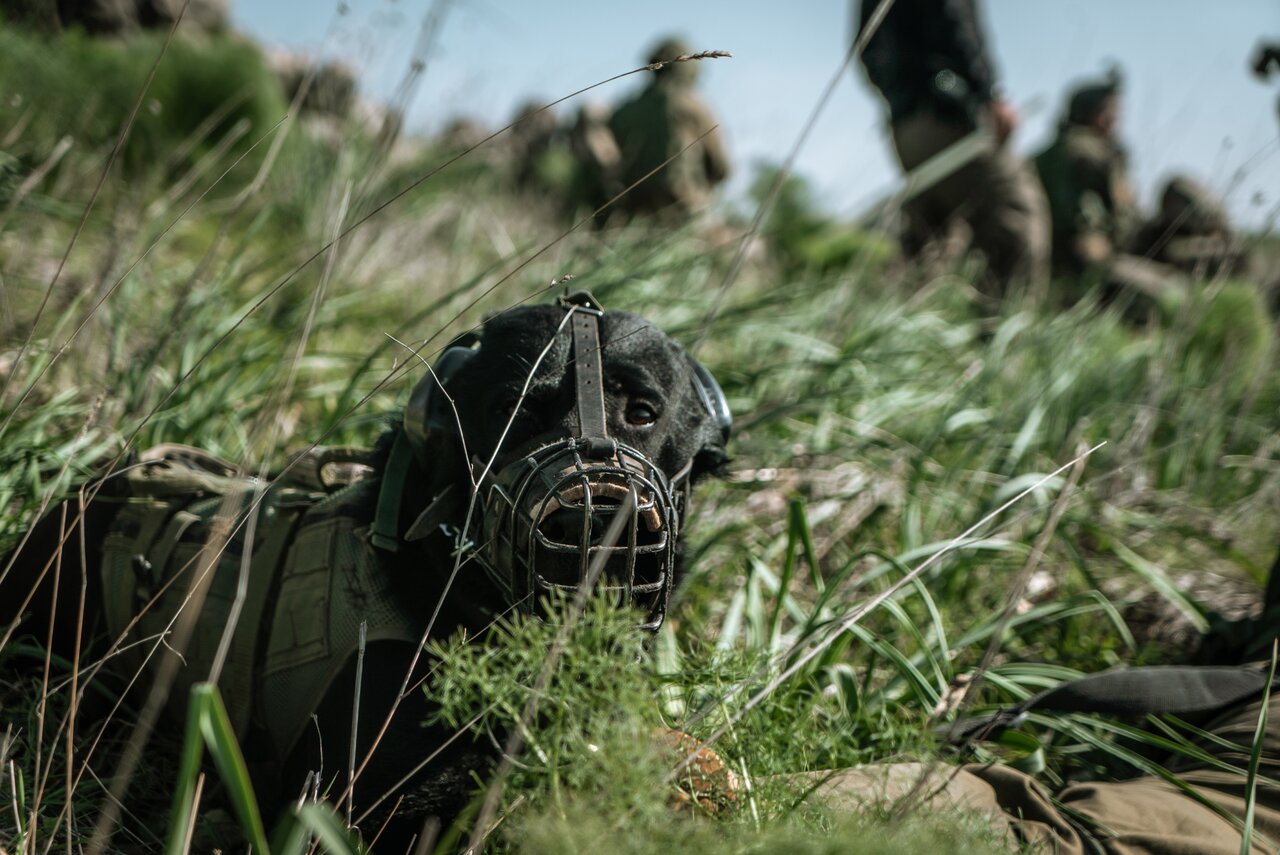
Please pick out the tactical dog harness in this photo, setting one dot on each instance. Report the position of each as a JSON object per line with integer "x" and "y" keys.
{"x": 311, "y": 579}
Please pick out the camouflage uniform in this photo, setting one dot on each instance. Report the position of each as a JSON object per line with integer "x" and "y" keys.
{"x": 1191, "y": 231}
{"x": 657, "y": 124}
{"x": 928, "y": 60}
{"x": 1091, "y": 201}
{"x": 596, "y": 157}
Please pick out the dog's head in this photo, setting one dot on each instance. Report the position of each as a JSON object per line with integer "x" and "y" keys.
{"x": 584, "y": 431}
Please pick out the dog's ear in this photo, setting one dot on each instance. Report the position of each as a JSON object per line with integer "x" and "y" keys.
{"x": 712, "y": 458}
{"x": 428, "y": 417}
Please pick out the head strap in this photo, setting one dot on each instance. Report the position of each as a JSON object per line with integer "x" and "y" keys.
{"x": 589, "y": 370}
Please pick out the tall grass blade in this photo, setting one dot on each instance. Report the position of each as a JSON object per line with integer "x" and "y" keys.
{"x": 209, "y": 728}
{"x": 1255, "y": 757}
{"x": 1154, "y": 576}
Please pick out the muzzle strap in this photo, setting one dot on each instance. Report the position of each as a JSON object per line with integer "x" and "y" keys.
{"x": 589, "y": 370}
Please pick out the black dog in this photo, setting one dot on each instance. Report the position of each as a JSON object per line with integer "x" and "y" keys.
{"x": 553, "y": 449}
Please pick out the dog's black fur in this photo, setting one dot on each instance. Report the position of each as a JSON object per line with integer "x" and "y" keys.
{"x": 652, "y": 405}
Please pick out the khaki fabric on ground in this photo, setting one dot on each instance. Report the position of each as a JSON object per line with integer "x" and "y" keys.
{"x": 996, "y": 194}
{"x": 1142, "y": 816}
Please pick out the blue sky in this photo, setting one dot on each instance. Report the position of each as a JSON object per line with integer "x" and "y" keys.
{"x": 1191, "y": 105}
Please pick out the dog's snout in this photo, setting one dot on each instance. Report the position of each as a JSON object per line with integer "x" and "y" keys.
{"x": 608, "y": 491}
{"x": 567, "y": 526}
{"x": 587, "y": 511}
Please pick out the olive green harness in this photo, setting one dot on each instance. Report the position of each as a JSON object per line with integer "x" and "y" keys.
{"x": 308, "y": 580}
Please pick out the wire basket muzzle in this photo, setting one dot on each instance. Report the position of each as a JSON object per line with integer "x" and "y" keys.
{"x": 584, "y": 512}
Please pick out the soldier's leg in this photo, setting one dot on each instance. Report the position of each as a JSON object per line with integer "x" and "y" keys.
{"x": 1010, "y": 220}
{"x": 1152, "y": 815}
{"x": 1155, "y": 817}
{"x": 1204, "y": 810}
{"x": 1203, "y": 814}
{"x": 995, "y": 193}
{"x": 929, "y": 215}
{"x": 1149, "y": 814}
{"x": 1008, "y": 799}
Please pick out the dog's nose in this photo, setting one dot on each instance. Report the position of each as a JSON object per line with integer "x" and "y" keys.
{"x": 565, "y": 527}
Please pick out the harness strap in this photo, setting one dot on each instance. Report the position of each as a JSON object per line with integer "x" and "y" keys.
{"x": 385, "y": 533}
{"x": 1176, "y": 689}
{"x": 589, "y": 371}
{"x": 161, "y": 549}
{"x": 279, "y": 514}
{"x": 126, "y": 568}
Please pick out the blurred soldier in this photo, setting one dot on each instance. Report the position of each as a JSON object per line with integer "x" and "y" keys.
{"x": 658, "y": 123}
{"x": 1096, "y": 221}
{"x": 117, "y": 17}
{"x": 533, "y": 135}
{"x": 461, "y": 133}
{"x": 208, "y": 15}
{"x": 1266, "y": 61}
{"x": 330, "y": 86}
{"x": 1085, "y": 175}
{"x": 596, "y": 158}
{"x": 928, "y": 58}
{"x": 1191, "y": 231}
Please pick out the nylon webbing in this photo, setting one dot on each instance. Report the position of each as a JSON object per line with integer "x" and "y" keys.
{"x": 239, "y": 677}
{"x": 1175, "y": 689}
{"x": 385, "y": 533}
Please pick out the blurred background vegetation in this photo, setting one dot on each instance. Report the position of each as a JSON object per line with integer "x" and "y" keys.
{"x": 880, "y": 413}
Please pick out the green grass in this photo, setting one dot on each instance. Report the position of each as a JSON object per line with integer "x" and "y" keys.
{"x": 878, "y": 417}
{"x": 77, "y": 85}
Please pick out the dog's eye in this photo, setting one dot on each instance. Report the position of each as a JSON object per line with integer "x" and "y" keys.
{"x": 640, "y": 413}
{"x": 506, "y": 407}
